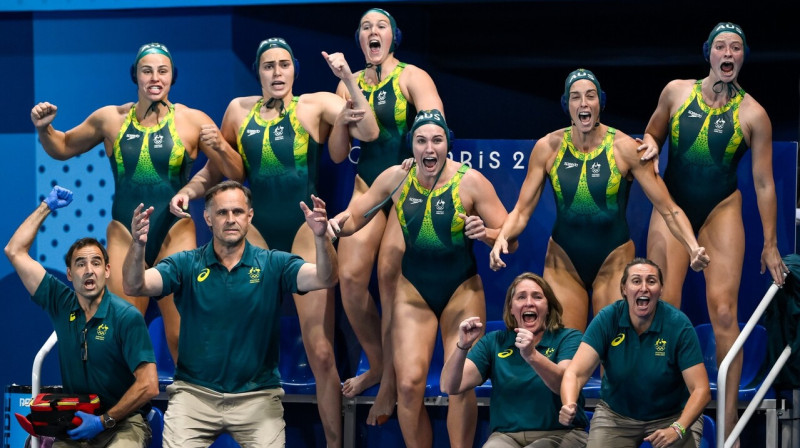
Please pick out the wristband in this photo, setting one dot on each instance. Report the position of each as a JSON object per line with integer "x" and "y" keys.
{"x": 463, "y": 348}
{"x": 680, "y": 436}
{"x": 678, "y": 427}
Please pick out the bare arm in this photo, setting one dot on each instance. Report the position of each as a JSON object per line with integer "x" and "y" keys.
{"x": 529, "y": 195}
{"x": 367, "y": 129}
{"x": 219, "y": 151}
{"x": 460, "y": 374}
{"x": 550, "y": 372}
{"x": 339, "y": 140}
{"x": 575, "y": 377}
{"x": 64, "y": 145}
{"x": 352, "y": 219}
{"x": 323, "y": 274}
{"x": 421, "y": 89}
{"x": 696, "y": 379}
{"x": 761, "y": 146}
{"x": 655, "y": 190}
{"x": 17, "y": 250}
{"x": 29, "y": 270}
{"x": 143, "y": 389}
{"x": 136, "y": 280}
{"x": 204, "y": 179}
{"x": 655, "y": 134}
{"x": 483, "y": 198}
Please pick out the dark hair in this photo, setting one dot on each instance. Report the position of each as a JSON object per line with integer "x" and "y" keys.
{"x": 634, "y": 262}
{"x": 80, "y": 244}
{"x": 227, "y": 185}
{"x": 554, "y": 320}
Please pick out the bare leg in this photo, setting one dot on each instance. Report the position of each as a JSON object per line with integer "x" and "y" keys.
{"x": 414, "y": 336}
{"x": 605, "y": 289}
{"x": 462, "y": 413}
{"x": 562, "y": 276}
{"x": 665, "y": 251}
{"x": 315, "y": 311}
{"x": 181, "y": 237}
{"x": 356, "y": 259}
{"x": 723, "y": 237}
{"x": 390, "y": 258}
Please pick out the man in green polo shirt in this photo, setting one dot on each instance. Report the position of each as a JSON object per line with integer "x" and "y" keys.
{"x": 655, "y": 385}
{"x": 228, "y": 294}
{"x": 103, "y": 344}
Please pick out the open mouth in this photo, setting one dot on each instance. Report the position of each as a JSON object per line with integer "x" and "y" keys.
{"x": 529, "y": 317}
{"x": 727, "y": 67}
{"x": 642, "y": 302}
{"x": 429, "y": 162}
{"x": 584, "y": 117}
{"x": 154, "y": 89}
{"x": 374, "y": 44}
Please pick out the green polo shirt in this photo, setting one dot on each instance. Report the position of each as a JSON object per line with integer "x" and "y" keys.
{"x": 116, "y": 337}
{"x": 230, "y": 320}
{"x": 643, "y": 376}
{"x": 521, "y": 401}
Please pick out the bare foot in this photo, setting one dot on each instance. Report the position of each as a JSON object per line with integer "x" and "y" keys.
{"x": 383, "y": 407}
{"x": 356, "y": 385}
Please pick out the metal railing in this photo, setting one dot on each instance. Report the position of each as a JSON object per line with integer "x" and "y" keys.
{"x": 765, "y": 385}
{"x": 36, "y": 379}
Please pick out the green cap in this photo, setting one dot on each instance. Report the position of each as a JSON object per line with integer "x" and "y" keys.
{"x": 272, "y": 42}
{"x": 153, "y": 48}
{"x": 577, "y": 75}
{"x": 726, "y": 27}
{"x": 431, "y": 116}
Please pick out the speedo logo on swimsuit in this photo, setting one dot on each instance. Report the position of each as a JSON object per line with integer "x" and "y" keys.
{"x": 569, "y": 165}
{"x": 130, "y": 137}
{"x": 252, "y": 132}
{"x": 693, "y": 114}
{"x": 414, "y": 201}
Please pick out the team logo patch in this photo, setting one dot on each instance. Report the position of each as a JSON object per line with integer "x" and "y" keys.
{"x": 661, "y": 347}
{"x": 255, "y": 275}
{"x": 101, "y": 332}
{"x": 549, "y": 352}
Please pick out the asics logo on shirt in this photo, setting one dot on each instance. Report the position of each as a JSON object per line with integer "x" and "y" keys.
{"x": 505, "y": 353}
{"x": 618, "y": 340}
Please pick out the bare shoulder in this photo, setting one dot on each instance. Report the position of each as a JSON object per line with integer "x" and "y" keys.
{"x": 318, "y": 97}
{"x": 411, "y": 73}
{"x": 751, "y": 110}
{"x": 195, "y": 116}
{"x": 678, "y": 88}
{"x": 114, "y": 111}
{"x": 625, "y": 145}
{"x": 550, "y": 142}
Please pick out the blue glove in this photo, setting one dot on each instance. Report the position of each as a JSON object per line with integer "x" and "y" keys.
{"x": 90, "y": 427}
{"x": 58, "y": 197}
